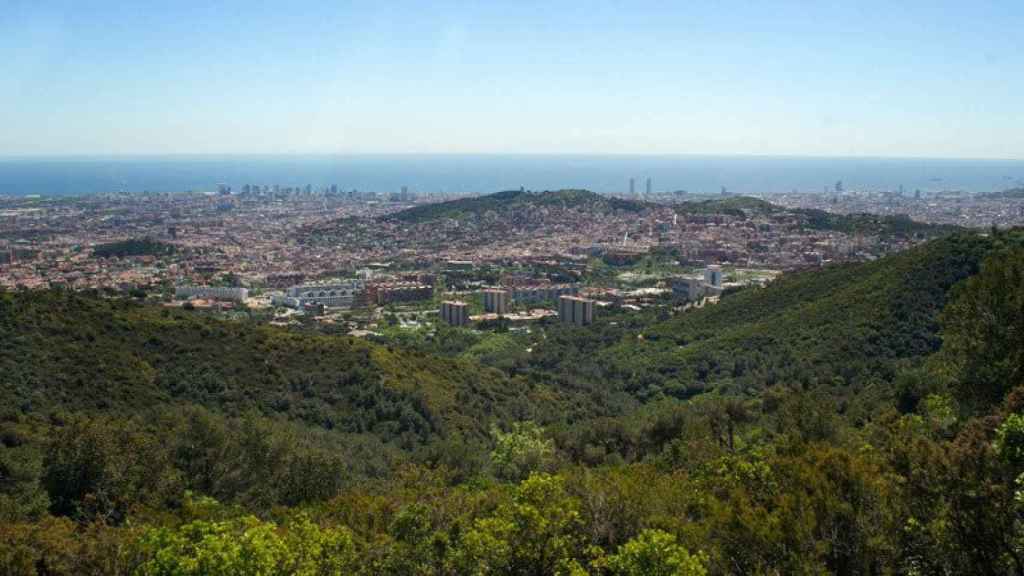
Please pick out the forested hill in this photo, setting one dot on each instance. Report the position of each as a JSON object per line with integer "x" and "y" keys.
{"x": 868, "y": 224}
{"x": 79, "y": 352}
{"x": 502, "y": 202}
{"x": 850, "y": 326}
{"x": 873, "y": 224}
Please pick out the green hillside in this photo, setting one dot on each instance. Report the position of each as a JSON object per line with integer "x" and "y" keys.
{"x": 848, "y": 325}
{"x": 78, "y": 352}
{"x": 512, "y": 200}
{"x": 1008, "y": 194}
{"x": 734, "y": 205}
{"x": 872, "y": 224}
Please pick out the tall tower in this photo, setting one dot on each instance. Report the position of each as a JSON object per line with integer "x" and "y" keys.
{"x": 632, "y": 186}
{"x": 648, "y": 185}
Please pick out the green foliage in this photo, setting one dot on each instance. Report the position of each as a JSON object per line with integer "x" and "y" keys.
{"x": 536, "y": 532}
{"x": 22, "y": 497}
{"x": 101, "y": 469}
{"x": 1009, "y": 442}
{"x": 521, "y": 451}
{"x": 655, "y": 553}
{"x": 247, "y": 547}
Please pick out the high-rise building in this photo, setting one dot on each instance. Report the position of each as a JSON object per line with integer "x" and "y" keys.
{"x": 387, "y": 293}
{"x": 496, "y": 301}
{"x": 455, "y": 313}
{"x": 632, "y": 186}
{"x": 648, "y": 186}
{"x": 713, "y": 276}
{"x": 575, "y": 310}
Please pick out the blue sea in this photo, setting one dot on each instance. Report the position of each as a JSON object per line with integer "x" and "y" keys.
{"x": 490, "y": 173}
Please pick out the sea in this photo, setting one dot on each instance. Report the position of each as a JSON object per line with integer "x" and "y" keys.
{"x": 468, "y": 174}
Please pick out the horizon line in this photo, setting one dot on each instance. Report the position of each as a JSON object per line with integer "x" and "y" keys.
{"x": 230, "y": 155}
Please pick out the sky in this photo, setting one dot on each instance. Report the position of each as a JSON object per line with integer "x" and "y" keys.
{"x": 857, "y": 78}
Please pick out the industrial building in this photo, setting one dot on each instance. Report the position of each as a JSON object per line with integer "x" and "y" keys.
{"x": 575, "y": 310}
{"x": 455, "y": 313}
{"x": 496, "y": 301}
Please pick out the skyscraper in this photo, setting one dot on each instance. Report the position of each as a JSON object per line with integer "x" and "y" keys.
{"x": 632, "y": 186}
{"x": 648, "y": 186}
{"x": 713, "y": 275}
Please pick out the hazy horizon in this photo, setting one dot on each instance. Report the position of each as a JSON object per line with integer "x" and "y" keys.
{"x": 482, "y": 173}
{"x": 694, "y": 155}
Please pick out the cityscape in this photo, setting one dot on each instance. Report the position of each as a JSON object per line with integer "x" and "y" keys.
{"x": 321, "y": 252}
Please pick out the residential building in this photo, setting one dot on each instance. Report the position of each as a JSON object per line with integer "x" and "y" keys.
{"x": 543, "y": 293}
{"x": 496, "y": 301}
{"x": 455, "y": 313}
{"x": 575, "y": 310}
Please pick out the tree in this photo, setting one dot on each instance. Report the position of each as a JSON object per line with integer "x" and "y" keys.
{"x": 247, "y": 547}
{"x": 655, "y": 553}
{"x": 536, "y": 532}
{"x": 521, "y": 451}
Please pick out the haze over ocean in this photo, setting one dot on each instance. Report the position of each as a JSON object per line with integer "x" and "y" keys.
{"x": 490, "y": 173}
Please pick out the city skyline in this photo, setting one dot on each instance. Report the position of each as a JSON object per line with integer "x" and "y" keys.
{"x": 919, "y": 80}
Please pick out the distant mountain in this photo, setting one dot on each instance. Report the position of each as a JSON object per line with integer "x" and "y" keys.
{"x": 869, "y": 224}
{"x": 872, "y": 224}
{"x": 504, "y": 202}
{"x": 1008, "y": 194}
{"x": 736, "y": 205}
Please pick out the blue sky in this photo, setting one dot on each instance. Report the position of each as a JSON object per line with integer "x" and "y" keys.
{"x": 922, "y": 79}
